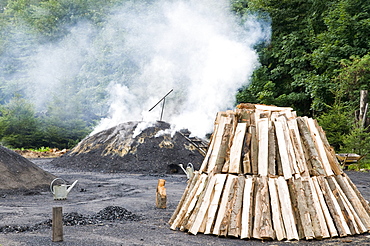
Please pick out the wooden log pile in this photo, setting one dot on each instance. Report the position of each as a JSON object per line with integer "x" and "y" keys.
{"x": 269, "y": 174}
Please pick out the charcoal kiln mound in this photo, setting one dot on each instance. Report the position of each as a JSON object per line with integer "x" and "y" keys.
{"x": 270, "y": 175}
{"x": 134, "y": 147}
{"x": 17, "y": 174}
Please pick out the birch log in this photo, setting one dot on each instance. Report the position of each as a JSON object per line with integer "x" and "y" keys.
{"x": 287, "y": 210}
{"x": 184, "y": 196}
{"x": 248, "y": 211}
{"x": 277, "y": 218}
{"x": 320, "y": 147}
{"x": 224, "y": 202}
{"x": 319, "y": 226}
{"x": 354, "y": 199}
{"x": 324, "y": 206}
{"x": 303, "y": 211}
{"x": 236, "y": 209}
{"x": 193, "y": 198}
{"x": 262, "y": 228}
{"x": 263, "y": 127}
{"x": 218, "y": 141}
{"x": 213, "y": 207}
{"x": 310, "y": 149}
{"x": 334, "y": 208}
{"x": 283, "y": 152}
{"x": 236, "y": 148}
{"x": 204, "y": 204}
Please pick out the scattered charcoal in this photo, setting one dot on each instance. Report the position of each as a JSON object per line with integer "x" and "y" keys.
{"x": 73, "y": 219}
{"x": 116, "y": 213}
{"x": 111, "y": 213}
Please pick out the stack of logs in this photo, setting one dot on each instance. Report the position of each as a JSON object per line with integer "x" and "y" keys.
{"x": 269, "y": 174}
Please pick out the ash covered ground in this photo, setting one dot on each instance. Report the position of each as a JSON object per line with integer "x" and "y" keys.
{"x": 119, "y": 209}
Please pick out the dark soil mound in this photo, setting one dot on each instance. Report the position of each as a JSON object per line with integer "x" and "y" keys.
{"x": 19, "y": 174}
{"x": 133, "y": 147}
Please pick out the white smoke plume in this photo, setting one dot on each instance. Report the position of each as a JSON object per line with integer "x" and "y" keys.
{"x": 195, "y": 48}
{"x": 146, "y": 48}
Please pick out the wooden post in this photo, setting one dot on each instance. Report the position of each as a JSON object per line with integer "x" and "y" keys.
{"x": 57, "y": 224}
{"x": 161, "y": 196}
{"x": 363, "y": 102}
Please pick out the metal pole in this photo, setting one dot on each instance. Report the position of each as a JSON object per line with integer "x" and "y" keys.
{"x": 164, "y": 101}
{"x": 161, "y": 100}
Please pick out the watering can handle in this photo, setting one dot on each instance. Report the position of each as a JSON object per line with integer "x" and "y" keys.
{"x": 51, "y": 184}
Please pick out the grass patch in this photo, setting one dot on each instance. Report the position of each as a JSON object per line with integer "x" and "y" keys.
{"x": 362, "y": 165}
{"x": 41, "y": 149}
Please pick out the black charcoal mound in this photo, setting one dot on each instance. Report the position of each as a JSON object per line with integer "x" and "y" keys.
{"x": 132, "y": 147}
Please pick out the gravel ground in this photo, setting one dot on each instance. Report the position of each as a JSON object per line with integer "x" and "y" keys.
{"x": 121, "y": 209}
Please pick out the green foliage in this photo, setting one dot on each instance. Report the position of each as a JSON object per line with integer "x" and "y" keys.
{"x": 64, "y": 134}
{"x": 51, "y": 19}
{"x": 354, "y": 76}
{"x": 24, "y": 26}
{"x": 337, "y": 123}
{"x": 18, "y": 124}
{"x": 357, "y": 141}
{"x": 21, "y": 128}
{"x": 317, "y": 47}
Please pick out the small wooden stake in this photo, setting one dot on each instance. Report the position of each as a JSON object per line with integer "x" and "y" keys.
{"x": 161, "y": 196}
{"x": 57, "y": 224}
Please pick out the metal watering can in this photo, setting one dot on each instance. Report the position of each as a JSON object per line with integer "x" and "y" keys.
{"x": 189, "y": 170}
{"x": 61, "y": 191}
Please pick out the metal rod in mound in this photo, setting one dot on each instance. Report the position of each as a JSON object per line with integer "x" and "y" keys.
{"x": 164, "y": 100}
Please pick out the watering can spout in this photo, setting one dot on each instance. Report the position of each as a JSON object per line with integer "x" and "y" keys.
{"x": 72, "y": 185}
{"x": 188, "y": 171}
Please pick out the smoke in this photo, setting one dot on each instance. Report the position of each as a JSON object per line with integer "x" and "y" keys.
{"x": 198, "y": 48}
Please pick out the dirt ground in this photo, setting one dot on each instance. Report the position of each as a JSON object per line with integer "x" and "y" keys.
{"x": 134, "y": 192}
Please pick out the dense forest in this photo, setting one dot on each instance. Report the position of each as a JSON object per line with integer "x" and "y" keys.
{"x": 316, "y": 60}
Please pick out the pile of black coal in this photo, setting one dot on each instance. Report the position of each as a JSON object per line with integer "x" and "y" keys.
{"x": 135, "y": 147}
{"x": 116, "y": 213}
{"x": 110, "y": 213}
{"x": 18, "y": 174}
